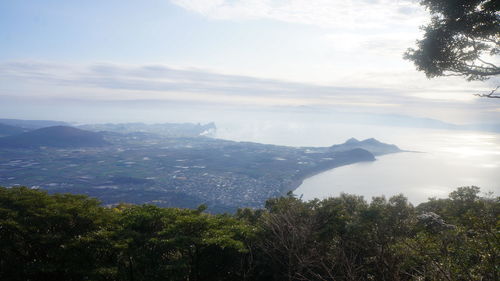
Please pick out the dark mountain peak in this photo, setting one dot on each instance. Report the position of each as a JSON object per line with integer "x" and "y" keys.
{"x": 352, "y": 141}
{"x": 372, "y": 145}
{"x": 358, "y": 154}
{"x": 371, "y": 141}
{"x": 55, "y": 136}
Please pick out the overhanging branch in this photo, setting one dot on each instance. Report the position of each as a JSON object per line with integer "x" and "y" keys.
{"x": 490, "y": 95}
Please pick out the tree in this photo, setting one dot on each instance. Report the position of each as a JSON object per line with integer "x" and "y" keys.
{"x": 462, "y": 39}
{"x": 456, "y": 238}
{"x": 52, "y": 237}
{"x": 179, "y": 244}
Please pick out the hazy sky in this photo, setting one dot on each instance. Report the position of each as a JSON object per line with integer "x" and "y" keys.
{"x": 339, "y": 55}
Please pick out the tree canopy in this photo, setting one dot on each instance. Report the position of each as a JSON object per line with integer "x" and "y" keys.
{"x": 462, "y": 39}
{"x": 73, "y": 237}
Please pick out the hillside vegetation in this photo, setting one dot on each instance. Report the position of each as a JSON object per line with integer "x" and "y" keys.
{"x": 72, "y": 237}
{"x": 56, "y": 136}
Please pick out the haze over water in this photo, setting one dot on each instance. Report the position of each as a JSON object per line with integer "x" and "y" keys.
{"x": 283, "y": 72}
{"x": 445, "y": 160}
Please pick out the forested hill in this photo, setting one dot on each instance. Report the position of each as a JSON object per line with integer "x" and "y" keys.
{"x": 65, "y": 237}
{"x": 32, "y": 124}
{"x": 374, "y": 146}
{"x": 56, "y": 136}
{"x": 7, "y": 130}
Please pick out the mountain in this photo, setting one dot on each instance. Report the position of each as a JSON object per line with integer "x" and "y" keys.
{"x": 164, "y": 129}
{"x": 32, "y": 124}
{"x": 372, "y": 145}
{"x": 8, "y": 130}
{"x": 56, "y": 136}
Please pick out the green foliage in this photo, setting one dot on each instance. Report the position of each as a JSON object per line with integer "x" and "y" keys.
{"x": 50, "y": 236}
{"x": 462, "y": 39}
{"x": 70, "y": 237}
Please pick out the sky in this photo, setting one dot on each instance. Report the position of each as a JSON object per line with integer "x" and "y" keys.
{"x": 188, "y": 60}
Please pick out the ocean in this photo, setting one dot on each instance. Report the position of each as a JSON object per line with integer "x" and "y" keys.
{"x": 441, "y": 161}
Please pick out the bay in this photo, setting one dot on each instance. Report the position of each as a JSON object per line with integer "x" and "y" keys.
{"x": 445, "y": 159}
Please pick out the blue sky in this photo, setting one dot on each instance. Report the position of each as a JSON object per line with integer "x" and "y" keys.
{"x": 342, "y": 55}
{"x": 139, "y": 32}
{"x": 125, "y": 31}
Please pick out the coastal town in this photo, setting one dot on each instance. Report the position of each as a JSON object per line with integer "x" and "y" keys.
{"x": 173, "y": 171}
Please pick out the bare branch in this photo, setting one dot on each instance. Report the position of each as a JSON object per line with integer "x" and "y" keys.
{"x": 490, "y": 95}
{"x": 488, "y": 63}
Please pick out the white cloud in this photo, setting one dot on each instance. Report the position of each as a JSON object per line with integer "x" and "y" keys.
{"x": 344, "y": 14}
{"x": 378, "y": 92}
{"x": 350, "y": 35}
{"x": 391, "y": 44}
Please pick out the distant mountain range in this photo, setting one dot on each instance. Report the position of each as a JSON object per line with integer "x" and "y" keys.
{"x": 8, "y": 130}
{"x": 20, "y": 134}
{"x": 56, "y": 136}
{"x": 32, "y": 124}
{"x": 12, "y": 127}
{"x": 163, "y": 129}
{"x": 372, "y": 145}
{"x": 165, "y": 164}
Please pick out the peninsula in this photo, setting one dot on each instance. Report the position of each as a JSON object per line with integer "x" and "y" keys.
{"x": 144, "y": 167}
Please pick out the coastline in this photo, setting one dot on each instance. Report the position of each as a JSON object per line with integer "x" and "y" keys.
{"x": 299, "y": 181}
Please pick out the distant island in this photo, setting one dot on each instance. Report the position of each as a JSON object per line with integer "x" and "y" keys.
{"x": 171, "y": 171}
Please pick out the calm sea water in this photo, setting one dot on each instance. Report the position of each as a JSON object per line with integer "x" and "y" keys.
{"x": 446, "y": 159}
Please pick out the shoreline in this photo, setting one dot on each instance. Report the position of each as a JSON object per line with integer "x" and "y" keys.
{"x": 298, "y": 182}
